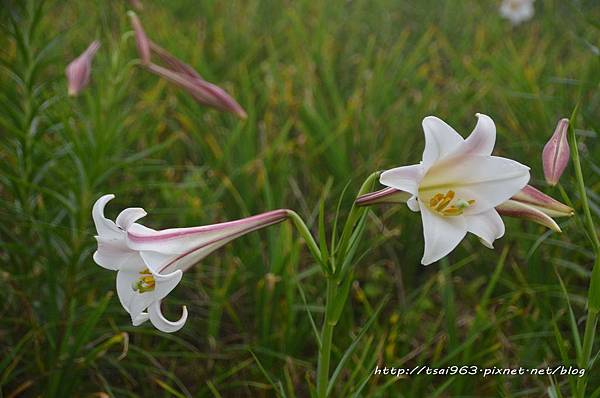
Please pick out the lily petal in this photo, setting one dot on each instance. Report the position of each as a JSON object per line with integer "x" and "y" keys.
{"x": 165, "y": 283}
{"x": 163, "y": 324}
{"x": 114, "y": 254}
{"x": 442, "y": 234}
{"x": 405, "y": 178}
{"x": 488, "y": 226}
{"x": 482, "y": 139}
{"x": 105, "y": 227}
{"x": 488, "y": 180}
{"x": 128, "y": 216}
{"x": 440, "y": 139}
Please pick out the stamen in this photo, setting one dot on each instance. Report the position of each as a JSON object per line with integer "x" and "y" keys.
{"x": 145, "y": 283}
{"x": 442, "y": 203}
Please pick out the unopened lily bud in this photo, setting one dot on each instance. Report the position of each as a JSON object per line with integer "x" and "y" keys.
{"x": 533, "y": 205}
{"x": 79, "y": 70}
{"x": 202, "y": 91}
{"x": 141, "y": 40}
{"x": 556, "y": 153}
{"x": 550, "y": 206}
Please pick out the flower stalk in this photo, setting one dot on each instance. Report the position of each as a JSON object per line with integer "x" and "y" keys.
{"x": 594, "y": 289}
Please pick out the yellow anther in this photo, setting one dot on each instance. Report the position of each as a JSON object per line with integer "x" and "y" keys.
{"x": 435, "y": 199}
{"x": 447, "y": 205}
{"x": 145, "y": 283}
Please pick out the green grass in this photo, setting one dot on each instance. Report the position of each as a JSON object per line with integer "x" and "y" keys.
{"x": 334, "y": 90}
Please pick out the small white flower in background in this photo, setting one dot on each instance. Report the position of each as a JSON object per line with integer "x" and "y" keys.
{"x": 457, "y": 186}
{"x": 150, "y": 263}
{"x": 517, "y": 11}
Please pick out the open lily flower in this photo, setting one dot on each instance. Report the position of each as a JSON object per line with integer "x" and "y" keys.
{"x": 150, "y": 263}
{"x": 456, "y": 186}
{"x": 529, "y": 204}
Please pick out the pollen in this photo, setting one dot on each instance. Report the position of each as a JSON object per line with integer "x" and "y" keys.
{"x": 448, "y": 205}
{"x": 145, "y": 282}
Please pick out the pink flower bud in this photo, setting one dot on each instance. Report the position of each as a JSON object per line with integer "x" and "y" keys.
{"x": 141, "y": 40}
{"x": 556, "y": 153}
{"x": 79, "y": 70}
{"x": 202, "y": 91}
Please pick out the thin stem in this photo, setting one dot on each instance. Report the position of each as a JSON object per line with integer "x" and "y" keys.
{"x": 326, "y": 340}
{"x": 594, "y": 289}
{"x": 305, "y": 232}
{"x": 589, "y": 222}
{"x": 588, "y": 343}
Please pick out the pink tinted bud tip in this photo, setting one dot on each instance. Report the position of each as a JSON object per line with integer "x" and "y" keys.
{"x": 79, "y": 70}
{"x": 556, "y": 153}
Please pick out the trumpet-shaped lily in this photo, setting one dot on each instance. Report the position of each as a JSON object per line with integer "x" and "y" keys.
{"x": 79, "y": 70}
{"x": 457, "y": 186}
{"x": 556, "y": 154}
{"x": 150, "y": 263}
{"x": 517, "y": 11}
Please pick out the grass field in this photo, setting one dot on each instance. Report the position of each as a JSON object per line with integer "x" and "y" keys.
{"x": 334, "y": 90}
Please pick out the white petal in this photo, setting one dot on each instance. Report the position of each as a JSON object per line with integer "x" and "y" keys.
{"x": 139, "y": 302}
{"x": 105, "y": 227}
{"x": 114, "y": 254}
{"x": 405, "y": 178}
{"x": 128, "y": 216}
{"x": 442, "y": 234}
{"x": 143, "y": 317}
{"x": 488, "y": 226}
{"x": 163, "y": 324}
{"x": 440, "y": 139}
{"x": 413, "y": 204}
{"x": 481, "y": 141}
{"x": 125, "y": 281}
{"x": 165, "y": 283}
{"x": 488, "y": 180}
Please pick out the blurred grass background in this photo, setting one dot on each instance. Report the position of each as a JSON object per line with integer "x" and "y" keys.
{"x": 334, "y": 90}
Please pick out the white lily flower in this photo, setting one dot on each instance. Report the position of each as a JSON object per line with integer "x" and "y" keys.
{"x": 457, "y": 186}
{"x": 150, "y": 263}
{"x": 517, "y": 11}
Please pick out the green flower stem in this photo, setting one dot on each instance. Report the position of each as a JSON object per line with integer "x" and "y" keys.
{"x": 334, "y": 301}
{"x": 326, "y": 340}
{"x": 594, "y": 290}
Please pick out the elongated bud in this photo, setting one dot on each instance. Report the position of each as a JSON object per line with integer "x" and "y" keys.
{"x": 513, "y": 208}
{"x": 556, "y": 153}
{"x": 173, "y": 62}
{"x": 79, "y": 70}
{"x": 533, "y": 205}
{"x": 383, "y": 196}
{"x": 539, "y": 200}
{"x": 141, "y": 40}
{"x": 202, "y": 91}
